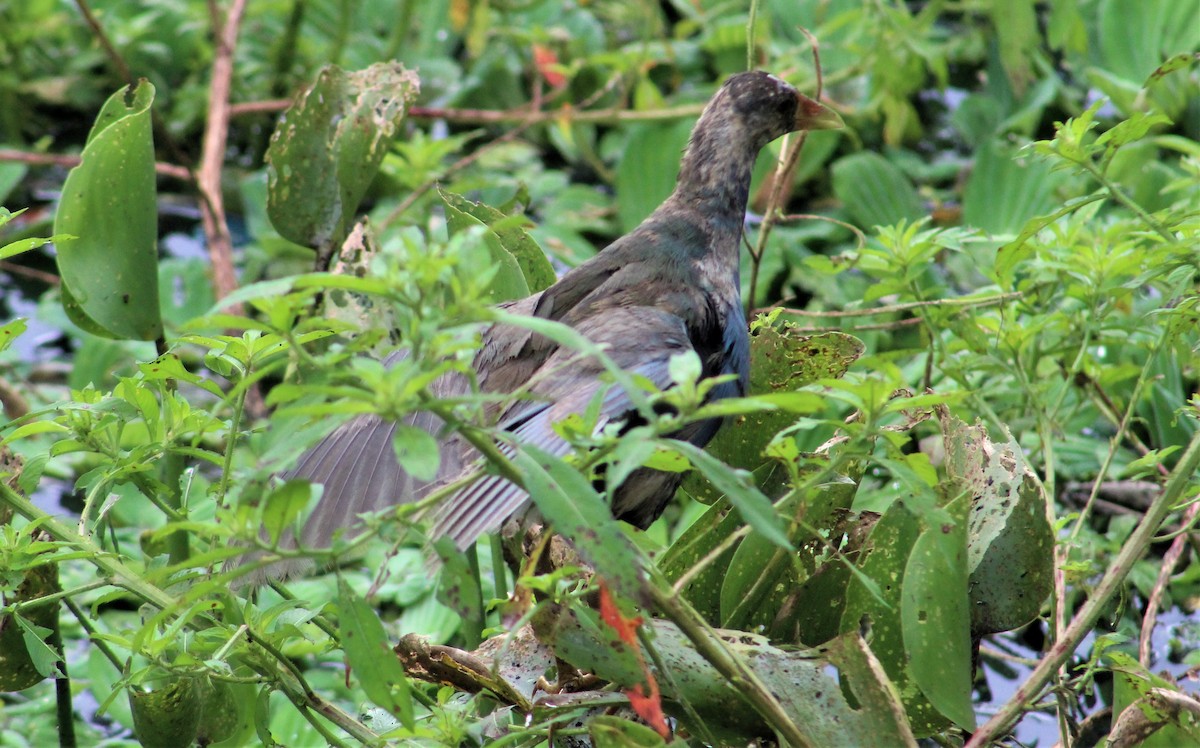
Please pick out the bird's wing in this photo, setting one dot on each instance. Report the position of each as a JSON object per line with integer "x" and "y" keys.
{"x": 640, "y": 340}
{"x": 356, "y": 463}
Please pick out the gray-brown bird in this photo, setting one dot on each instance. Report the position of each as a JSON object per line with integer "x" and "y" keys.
{"x": 669, "y": 286}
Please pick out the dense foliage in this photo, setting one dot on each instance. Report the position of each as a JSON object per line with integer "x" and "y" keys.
{"x": 955, "y": 505}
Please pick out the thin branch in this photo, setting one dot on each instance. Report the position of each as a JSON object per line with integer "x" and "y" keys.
{"x": 114, "y": 56}
{"x": 1170, "y": 561}
{"x": 41, "y": 276}
{"x": 216, "y": 131}
{"x": 519, "y": 115}
{"x": 734, "y": 668}
{"x": 967, "y": 301}
{"x": 67, "y": 161}
{"x": 781, "y": 180}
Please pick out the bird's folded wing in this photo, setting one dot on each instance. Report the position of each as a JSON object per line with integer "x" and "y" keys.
{"x": 356, "y": 463}
{"x": 640, "y": 340}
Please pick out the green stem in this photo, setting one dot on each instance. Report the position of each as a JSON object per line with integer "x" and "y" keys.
{"x": 736, "y": 671}
{"x": 1119, "y": 195}
{"x": 177, "y": 542}
{"x": 121, "y": 575}
{"x": 126, "y": 578}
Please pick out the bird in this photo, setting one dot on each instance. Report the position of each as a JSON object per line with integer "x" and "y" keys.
{"x": 668, "y": 287}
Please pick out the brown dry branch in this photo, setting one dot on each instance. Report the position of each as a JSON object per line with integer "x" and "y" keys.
{"x": 1170, "y": 561}
{"x": 518, "y": 115}
{"x": 70, "y": 162}
{"x": 114, "y": 57}
{"x": 216, "y": 131}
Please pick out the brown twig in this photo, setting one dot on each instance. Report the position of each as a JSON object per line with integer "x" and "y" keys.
{"x": 216, "y": 131}
{"x": 457, "y": 166}
{"x": 68, "y": 161}
{"x": 506, "y": 116}
{"x": 114, "y": 56}
{"x": 781, "y": 181}
{"x": 893, "y": 325}
{"x": 1170, "y": 561}
{"x": 41, "y": 276}
{"x": 969, "y": 301}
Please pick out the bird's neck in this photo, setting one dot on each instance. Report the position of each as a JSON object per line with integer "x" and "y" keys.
{"x": 715, "y": 175}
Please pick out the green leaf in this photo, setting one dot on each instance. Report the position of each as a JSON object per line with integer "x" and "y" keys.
{"x": 169, "y": 716}
{"x": 756, "y": 509}
{"x": 934, "y": 613}
{"x": 110, "y": 272}
{"x": 611, "y": 731}
{"x": 879, "y": 605}
{"x": 836, "y": 695}
{"x": 701, "y": 538}
{"x": 25, "y": 656}
{"x": 1005, "y": 191}
{"x": 1010, "y": 256}
{"x": 567, "y": 500}
{"x": 874, "y": 191}
{"x": 509, "y": 281}
{"x": 283, "y": 505}
{"x": 759, "y": 569}
{"x": 328, "y": 147}
{"x": 10, "y": 331}
{"x": 417, "y": 451}
{"x": 782, "y": 360}
{"x": 24, "y": 245}
{"x": 648, "y": 167}
{"x": 370, "y": 655}
{"x": 1010, "y": 545}
{"x": 509, "y": 231}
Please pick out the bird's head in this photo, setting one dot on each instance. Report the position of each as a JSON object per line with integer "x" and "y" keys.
{"x": 763, "y": 107}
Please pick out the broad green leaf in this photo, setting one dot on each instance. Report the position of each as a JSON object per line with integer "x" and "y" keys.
{"x": 701, "y": 538}
{"x": 110, "y": 271}
{"x": 1134, "y": 687}
{"x": 510, "y": 232}
{"x": 417, "y": 451}
{"x": 1006, "y": 190}
{"x": 1016, "y": 25}
{"x": 934, "y": 612}
{"x": 648, "y": 167}
{"x": 370, "y": 655}
{"x": 167, "y": 716}
{"x": 760, "y": 573}
{"x": 328, "y": 147}
{"x": 879, "y": 607}
{"x": 1010, "y": 545}
{"x": 756, "y": 509}
{"x": 509, "y": 281}
{"x": 25, "y": 656}
{"x": 567, "y": 500}
{"x": 227, "y": 714}
{"x": 855, "y": 706}
{"x": 283, "y": 505}
{"x": 782, "y": 360}
{"x": 812, "y": 612}
{"x": 874, "y": 191}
